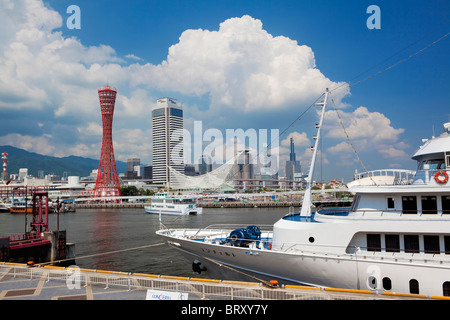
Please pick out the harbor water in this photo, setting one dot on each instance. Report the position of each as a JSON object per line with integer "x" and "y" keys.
{"x": 106, "y": 239}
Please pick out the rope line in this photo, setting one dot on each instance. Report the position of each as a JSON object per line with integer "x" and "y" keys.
{"x": 351, "y": 144}
{"x": 104, "y": 253}
{"x": 349, "y": 85}
{"x": 267, "y": 283}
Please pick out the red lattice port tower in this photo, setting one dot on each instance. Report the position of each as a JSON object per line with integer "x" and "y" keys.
{"x": 107, "y": 183}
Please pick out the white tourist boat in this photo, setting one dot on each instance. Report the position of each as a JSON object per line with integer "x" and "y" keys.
{"x": 394, "y": 238}
{"x": 164, "y": 204}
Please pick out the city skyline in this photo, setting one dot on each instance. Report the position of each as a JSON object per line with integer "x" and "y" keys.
{"x": 235, "y": 65}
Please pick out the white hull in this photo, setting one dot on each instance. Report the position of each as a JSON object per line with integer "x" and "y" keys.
{"x": 347, "y": 271}
{"x": 176, "y": 212}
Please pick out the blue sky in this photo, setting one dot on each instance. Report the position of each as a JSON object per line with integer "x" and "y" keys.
{"x": 212, "y": 56}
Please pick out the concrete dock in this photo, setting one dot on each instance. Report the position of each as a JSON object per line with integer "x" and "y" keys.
{"x": 21, "y": 282}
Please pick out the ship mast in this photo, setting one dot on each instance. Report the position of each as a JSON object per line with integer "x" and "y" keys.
{"x": 307, "y": 204}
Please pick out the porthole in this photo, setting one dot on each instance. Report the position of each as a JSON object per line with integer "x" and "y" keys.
{"x": 311, "y": 239}
{"x": 387, "y": 283}
{"x": 446, "y": 289}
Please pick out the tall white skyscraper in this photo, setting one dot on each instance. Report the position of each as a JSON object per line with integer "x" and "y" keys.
{"x": 167, "y": 138}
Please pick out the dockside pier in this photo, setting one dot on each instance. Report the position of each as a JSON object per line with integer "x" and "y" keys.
{"x": 38, "y": 243}
{"x": 21, "y": 282}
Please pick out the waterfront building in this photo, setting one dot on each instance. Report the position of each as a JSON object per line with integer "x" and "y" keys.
{"x": 23, "y": 173}
{"x": 167, "y": 139}
{"x": 139, "y": 170}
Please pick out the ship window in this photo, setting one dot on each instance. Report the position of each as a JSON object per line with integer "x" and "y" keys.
{"x": 387, "y": 283}
{"x": 413, "y": 286}
{"x": 409, "y": 204}
{"x": 446, "y": 289}
{"x": 373, "y": 242}
{"x": 446, "y": 204}
{"x": 392, "y": 243}
{"x": 447, "y": 244}
{"x": 429, "y": 205}
{"x": 436, "y": 164}
{"x": 412, "y": 243}
{"x": 431, "y": 244}
{"x": 390, "y": 203}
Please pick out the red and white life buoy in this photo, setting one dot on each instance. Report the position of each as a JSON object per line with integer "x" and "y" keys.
{"x": 441, "y": 177}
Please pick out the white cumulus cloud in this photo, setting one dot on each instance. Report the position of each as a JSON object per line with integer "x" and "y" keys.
{"x": 241, "y": 66}
{"x": 243, "y": 69}
{"x": 367, "y": 131}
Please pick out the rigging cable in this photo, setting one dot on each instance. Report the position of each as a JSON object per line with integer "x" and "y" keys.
{"x": 267, "y": 283}
{"x": 349, "y": 85}
{"x": 348, "y": 139}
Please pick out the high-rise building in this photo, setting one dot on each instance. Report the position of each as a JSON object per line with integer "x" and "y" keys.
{"x": 131, "y": 172}
{"x": 205, "y": 165}
{"x": 293, "y": 167}
{"x": 245, "y": 167}
{"x": 167, "y": 139}
{"x": 133, "y": 162}
{"x": 107, "y": 183}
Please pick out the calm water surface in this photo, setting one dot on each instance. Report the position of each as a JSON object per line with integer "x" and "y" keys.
{"x": 96, "y": 231}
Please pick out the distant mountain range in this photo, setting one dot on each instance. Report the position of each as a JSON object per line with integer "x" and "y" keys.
{"x": 73, "y": 165}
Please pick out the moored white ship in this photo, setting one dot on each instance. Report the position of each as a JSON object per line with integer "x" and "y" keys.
{"x": 163, "y": 204}
{"x": 395, "y": 237}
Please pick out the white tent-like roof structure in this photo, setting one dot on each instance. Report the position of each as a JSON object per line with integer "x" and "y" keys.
{"x": 211, "y": 180}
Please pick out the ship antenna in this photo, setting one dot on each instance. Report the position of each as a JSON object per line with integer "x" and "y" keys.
{"x": 306, "y": 204}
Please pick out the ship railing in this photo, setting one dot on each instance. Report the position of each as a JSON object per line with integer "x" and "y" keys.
{"x": 221, "y": 232}
{"x": 23, "y": 237}
{"x": 425, "y": 177}
{"x": 408, "y": 213}
{"x": 387, "y": 212}
{"x": 402, "y": 251}
{"x": 227, "y": 228}
{"x": 74, "y": 278}
{"x": 437, "y": 257}
{"x": 19, "y": 191}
